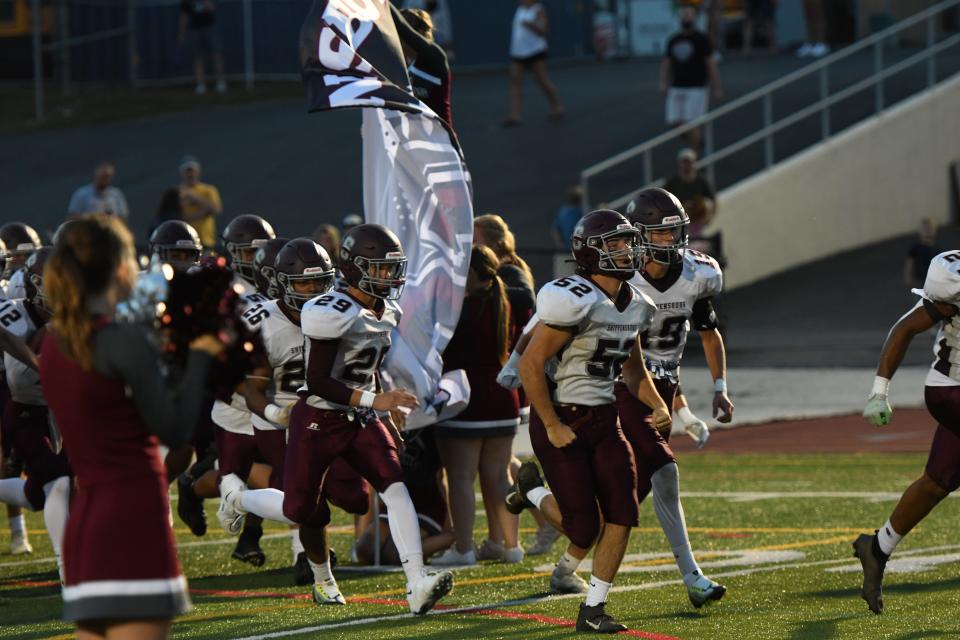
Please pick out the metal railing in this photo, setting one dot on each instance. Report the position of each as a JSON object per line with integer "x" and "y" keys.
{"x": 764, "y": 95}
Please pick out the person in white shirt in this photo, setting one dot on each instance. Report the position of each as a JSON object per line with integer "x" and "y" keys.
{"x": 528, "y": 51}
{"x": 100, "y": 196}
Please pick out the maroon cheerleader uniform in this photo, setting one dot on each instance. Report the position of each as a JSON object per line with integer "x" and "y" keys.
{"x": 119, "y": 555}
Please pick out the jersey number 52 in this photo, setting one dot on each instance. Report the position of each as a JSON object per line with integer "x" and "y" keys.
{"x": 607, "y": 361}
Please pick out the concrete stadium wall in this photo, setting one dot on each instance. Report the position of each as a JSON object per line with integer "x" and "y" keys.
{"x": 874, "y": 181}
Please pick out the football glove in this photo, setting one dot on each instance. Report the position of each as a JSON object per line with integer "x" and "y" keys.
{"x": 878, "y": 411}
{"x": 509, "y": 376}
{"x": 694, "y": 426}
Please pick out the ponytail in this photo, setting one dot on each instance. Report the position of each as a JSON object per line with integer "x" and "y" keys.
{"x": 85, "y": 257}
{"x": 484, "y": 263}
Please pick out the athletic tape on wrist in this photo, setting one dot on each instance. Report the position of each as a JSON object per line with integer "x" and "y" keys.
{"x": 720, "y": 385}
{"x": 881, "y": 386}
{"x": 366, "y": 399}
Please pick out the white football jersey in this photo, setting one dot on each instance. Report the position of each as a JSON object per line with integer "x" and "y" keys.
{"x": 235, "y": 417}
{"x": 364, "y": 339}
{"x": 15, "y": 289}
{"x": 603, "y": 336}
{"x": 23, "y": 381}
{"x": 283, "y": 342}
{"x": 943, "y": 285}
{"x": 664, "y": 341}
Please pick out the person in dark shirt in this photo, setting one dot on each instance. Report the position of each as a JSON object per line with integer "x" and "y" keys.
{"x": 920, "y": 254}
{"x": 694, "y": 191}
{"x": 688, "y": 68}
{"x": 426, "y": 60}
{"x": 199, "y": 17}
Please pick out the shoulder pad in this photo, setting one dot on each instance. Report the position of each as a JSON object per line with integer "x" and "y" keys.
{"x": 943, "y": 279}
{"x": 565, "y": 301}
{"x": 328, "y": 317}
{"x": 254, "y": 314}
{"x": 254, "y": 297}
{"x": 705, "y": 270}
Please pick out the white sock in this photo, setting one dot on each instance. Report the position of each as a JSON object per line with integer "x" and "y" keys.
{"x": 597, "y": 593}
{"x": 266, "y": 503}
{"x": 567, "y": 564}
{"x": 888, "y": 538}
{"x": 296, "y": 546}
{"x": 55, "y": 511}
{"x": 537, "y": 494}
{"x": 321, "y": 572}
{"x": 11, "y": 492}
{"x": 666, "y": 504}
{"x": 404, "y": 529}
{"x": 18, "y": 525}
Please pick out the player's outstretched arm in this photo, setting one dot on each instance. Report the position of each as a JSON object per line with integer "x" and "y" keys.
{"x": 878, "y": 411}
{"x": 546, "y": 342}
{"x": 716, "y": 355}
{"x": 640, "y": 383}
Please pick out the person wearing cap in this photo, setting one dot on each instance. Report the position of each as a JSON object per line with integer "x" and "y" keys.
{"x": 100, "y": 196}
{"x": 694, "y": 191}
{"x": 199, "y": 201}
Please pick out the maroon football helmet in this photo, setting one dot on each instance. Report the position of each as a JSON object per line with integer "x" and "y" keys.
{"x": 242, "y": 237}
{"x": 33, "y": 278}
{"x": 264, "y": 273}
{"x": 590, "y": 245}
{"x": 176, "y": 243}
{"x": 367, "y": 250}
{"x": 21, "y": 240}
{"x": 303, "y": 260}
{"x": 657, "y": 209}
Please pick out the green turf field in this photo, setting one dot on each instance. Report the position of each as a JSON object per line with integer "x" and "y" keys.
{"x": 783, "y": 553}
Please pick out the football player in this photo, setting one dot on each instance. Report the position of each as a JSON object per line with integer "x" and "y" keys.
{"x": 241, "y": 238}
{"x": 176, "y": 243}
{"x": 682, "y": 283}
{"x": 938, "y": 306}
{"x": 301, "y": 270}
{"x": 47, "y": 486}
{"x": 347, "y": 333}
{"x": 236, "y": 445}
{"x": 589, "y": 330}
{"x": 21, "y": 241}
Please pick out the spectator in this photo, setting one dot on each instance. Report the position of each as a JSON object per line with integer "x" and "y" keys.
{"x": 760, "y": 13}
{"x": 686, "y": 71}
{"x": 528, "y": 51}
{"x": 481, "y": 437}
{"x": 442, "y": 21}
{"x": 921, "y": 252}
{"x": 199, "y": 16}
{"x": 714, "y": 12}
{"x": 694, "y": 191}
{"x": 349, "y": 222}
{"x": 170, "y": 208}
{"x": 815, "y": 46}
{"x": 100, "y": 196}
{"x": 426, "y": 60}
{"x": 328, "y": 237}
{"x": 200, "y": 202}
{"x": 567, "y": 218}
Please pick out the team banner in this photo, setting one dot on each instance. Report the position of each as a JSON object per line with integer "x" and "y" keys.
{"x": 414, "y": 182}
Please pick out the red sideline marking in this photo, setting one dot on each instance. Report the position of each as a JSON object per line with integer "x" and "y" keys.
{"x": 493, "y": 613}
{"x": 718, "y": 534}
{"x": 30, "y": 583}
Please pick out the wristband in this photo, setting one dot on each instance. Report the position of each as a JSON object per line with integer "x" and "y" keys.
{"x": 272, "y": 413}
{"x": 720, "y": 385}
{"x": 366, "y": 399}
{"x": 881, "y": 386}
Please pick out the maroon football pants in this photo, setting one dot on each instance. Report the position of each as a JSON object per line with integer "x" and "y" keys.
{"x": 651, "y": 449}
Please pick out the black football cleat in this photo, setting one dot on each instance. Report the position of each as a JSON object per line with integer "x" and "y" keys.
{"x": 248, "y": 547}
{"x": 190, "y": 506}
{"x": 873, "y": 566}
{"x": 595, "y": 620}
{"x": 528, "y": 477}
{"x": 302, "y": 573}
